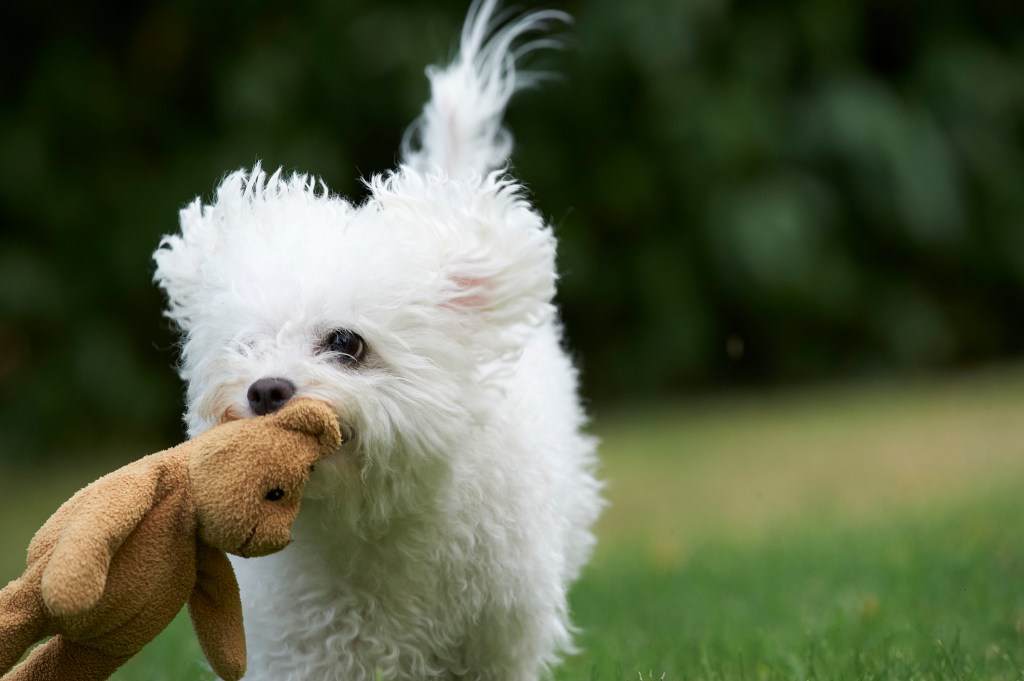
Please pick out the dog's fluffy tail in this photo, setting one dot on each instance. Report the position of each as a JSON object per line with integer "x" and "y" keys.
{"x": 460, "y": 130}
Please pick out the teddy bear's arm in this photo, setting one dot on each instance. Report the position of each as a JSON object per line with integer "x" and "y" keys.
{"x": 76, "y": 572}
{"x": 216, "y": 610}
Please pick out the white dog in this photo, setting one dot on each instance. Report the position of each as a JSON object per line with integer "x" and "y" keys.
{"x": 441, "y": 539}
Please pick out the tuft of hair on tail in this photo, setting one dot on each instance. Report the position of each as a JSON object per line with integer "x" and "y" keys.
{"x": 460, "y": 131}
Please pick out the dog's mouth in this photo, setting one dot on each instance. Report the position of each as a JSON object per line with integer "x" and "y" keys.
{"x": 348, "y": 433}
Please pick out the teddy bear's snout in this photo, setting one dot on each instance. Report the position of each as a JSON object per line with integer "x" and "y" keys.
{"x": 267, "y": 395}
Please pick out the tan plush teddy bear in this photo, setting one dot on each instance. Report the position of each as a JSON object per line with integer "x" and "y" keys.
{"x": 114, "y": 565}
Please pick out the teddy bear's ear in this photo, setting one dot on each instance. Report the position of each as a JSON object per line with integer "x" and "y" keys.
{"x": 311, "y": 417}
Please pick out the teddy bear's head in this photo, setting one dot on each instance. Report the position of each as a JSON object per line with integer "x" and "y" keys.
{"x": 247, "y": 482}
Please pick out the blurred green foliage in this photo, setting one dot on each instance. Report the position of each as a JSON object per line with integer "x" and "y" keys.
{"x": 745, "y": 191}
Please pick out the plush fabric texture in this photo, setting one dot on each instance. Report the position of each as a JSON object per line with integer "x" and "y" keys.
{"x": 116, "y": 562}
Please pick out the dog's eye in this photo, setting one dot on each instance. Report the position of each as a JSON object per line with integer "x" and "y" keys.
{"x": 348, "y": 346}
{"x": 275, "y": 494}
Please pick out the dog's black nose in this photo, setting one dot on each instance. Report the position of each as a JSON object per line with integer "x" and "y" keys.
{"x": 267, "y": 395}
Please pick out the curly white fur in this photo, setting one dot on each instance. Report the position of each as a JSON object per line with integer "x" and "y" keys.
{"x": 441, "y": 539}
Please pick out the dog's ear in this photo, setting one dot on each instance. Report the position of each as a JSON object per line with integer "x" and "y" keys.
{"x": 498, "y": 294}
{"x": 182, "y": 260}
{"x": 495, "y": 254}
{"x": 504, "y": 273}
{"x": 179, "y": 264}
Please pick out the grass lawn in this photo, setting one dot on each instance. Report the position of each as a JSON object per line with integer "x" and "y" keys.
{"x": 862, "y": 532}
{"x": 928, "y": 598}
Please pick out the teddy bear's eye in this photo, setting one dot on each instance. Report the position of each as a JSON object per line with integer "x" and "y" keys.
{"x": 275, "y": 494}
{"x": 347, "y": 346}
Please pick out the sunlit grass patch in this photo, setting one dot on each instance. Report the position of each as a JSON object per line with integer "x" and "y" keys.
{"x": 930, "y": 598}
{"x": 746, "y": 466}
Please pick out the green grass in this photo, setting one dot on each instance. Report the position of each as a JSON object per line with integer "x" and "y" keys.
{"x": 862, "y": 532}
{"x": 928, "y": 598}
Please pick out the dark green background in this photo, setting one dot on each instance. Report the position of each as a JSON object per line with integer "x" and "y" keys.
{"x": 747, "y": 193}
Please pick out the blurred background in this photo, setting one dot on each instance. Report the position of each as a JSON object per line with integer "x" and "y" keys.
{"x": 746, "y": 193}
{"x": 792, "y": 247}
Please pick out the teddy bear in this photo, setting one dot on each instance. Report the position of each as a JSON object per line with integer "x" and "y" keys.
{"x": 117, "y": 561}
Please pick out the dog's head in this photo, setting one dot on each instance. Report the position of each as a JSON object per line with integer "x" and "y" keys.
{"x": 401, "y": 312}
